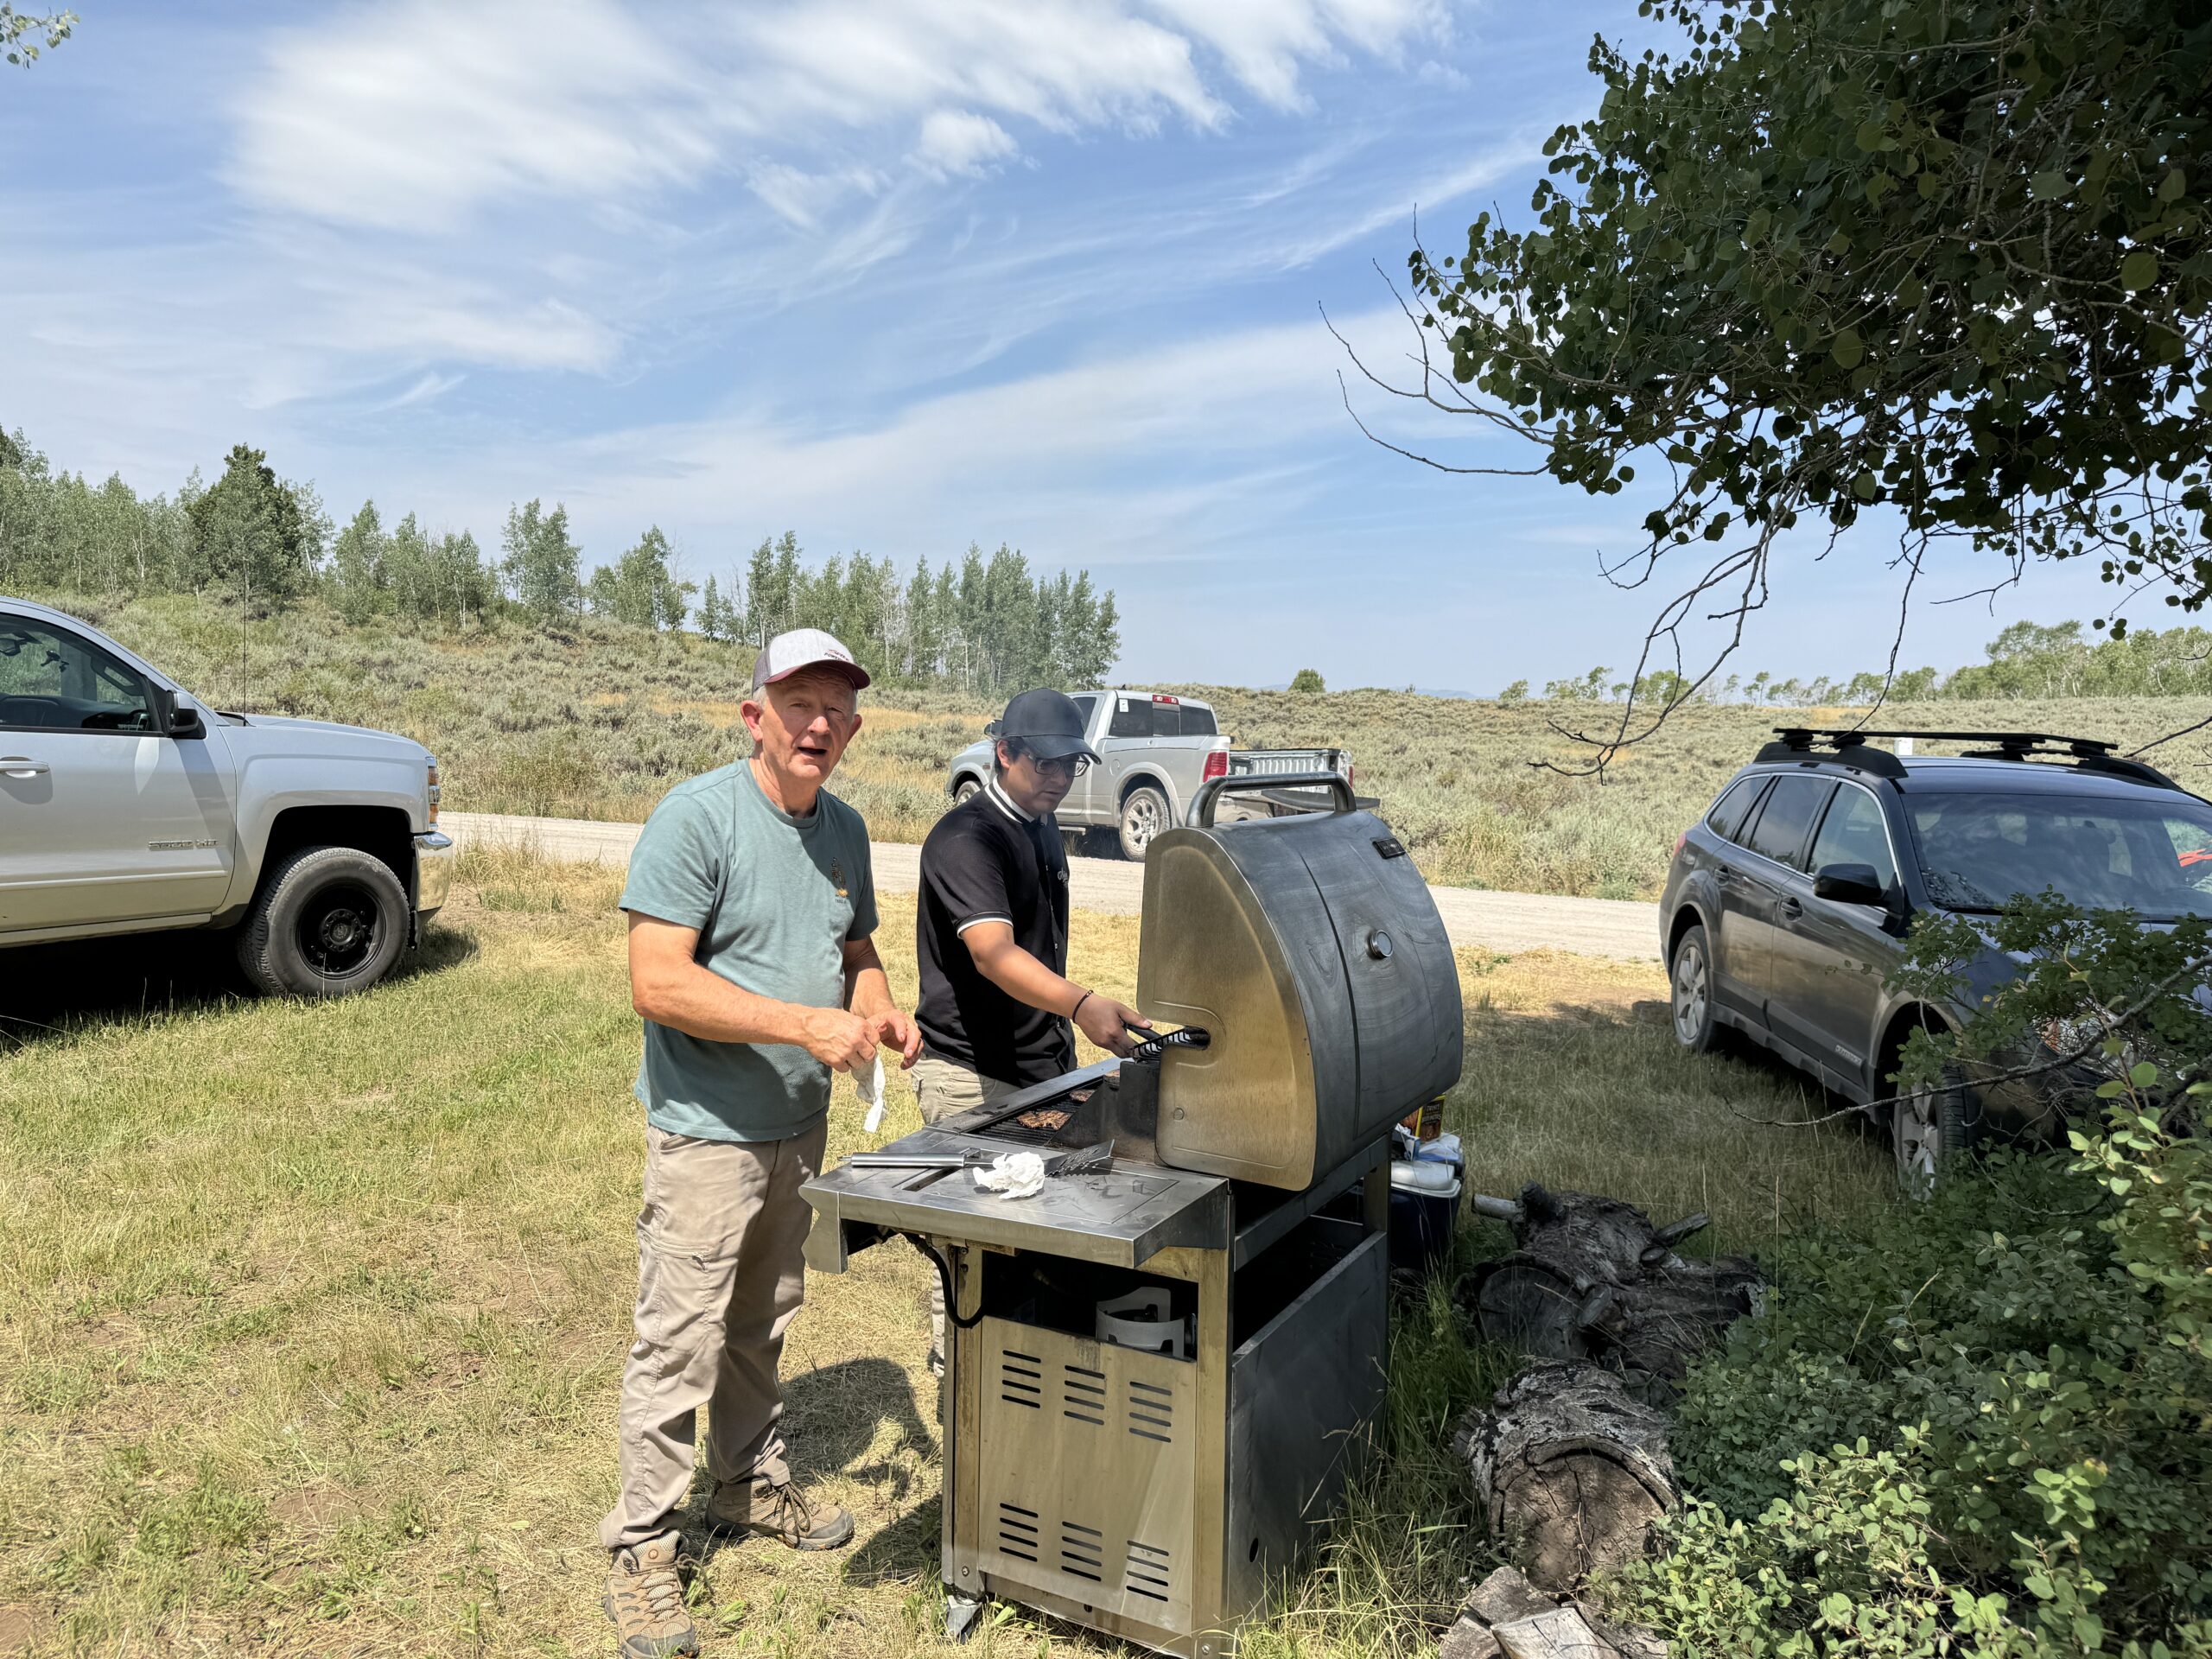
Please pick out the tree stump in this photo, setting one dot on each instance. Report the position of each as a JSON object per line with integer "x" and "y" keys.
{"x": 1571, "y": 1471}
{"x": 1591, "y": 1277}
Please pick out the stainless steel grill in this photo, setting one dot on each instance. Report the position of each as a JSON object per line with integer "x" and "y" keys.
{"x": 1150, "y": 1494}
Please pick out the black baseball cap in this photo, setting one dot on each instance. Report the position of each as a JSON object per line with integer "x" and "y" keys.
{"x": 1048, "y": 722}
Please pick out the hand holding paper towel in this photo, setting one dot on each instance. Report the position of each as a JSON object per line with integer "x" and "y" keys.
{"x": 870, "y": 1089}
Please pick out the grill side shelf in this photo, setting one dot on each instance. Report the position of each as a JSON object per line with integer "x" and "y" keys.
{"x": 1120, "y": 1217}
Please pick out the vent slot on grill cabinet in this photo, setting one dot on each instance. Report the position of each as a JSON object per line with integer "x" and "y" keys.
{"x": 1018, "y": 1531}
{"x": 1083, "y": 1394}
{"x": 1021, "y": 1379}
{"x": 1147, "y": 1571}
{"x": 1082, "y": 1551}
{"x": 1151, "y": 1412}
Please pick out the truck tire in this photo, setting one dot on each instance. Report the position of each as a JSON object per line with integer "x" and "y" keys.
{"x": 1144, "y": 814}
{"x": 328, "y": 921}
{"x": 963, "y": 789}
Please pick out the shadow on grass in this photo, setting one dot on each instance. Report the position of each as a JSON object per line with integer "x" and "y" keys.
{"x": 51, "y": 992}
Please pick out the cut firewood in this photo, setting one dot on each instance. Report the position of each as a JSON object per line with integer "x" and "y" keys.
{"x": 1592, "y": 1279}
{"x": 1559, "y": 1634}
{"x": 1571, "y": 1472}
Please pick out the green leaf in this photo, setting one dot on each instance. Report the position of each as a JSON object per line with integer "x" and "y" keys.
{"x": 1848, "y": 350}
{"x": 2171, "y": 186}
{"x": 2138, "y": 271}
{"x": 2143, "y": 1074}
{"x": 2047, "y": 185}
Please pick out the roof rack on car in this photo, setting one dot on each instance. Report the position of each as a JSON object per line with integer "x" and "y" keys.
{"x": 2090, "y": 753}
{"x": 1797, "y": 744}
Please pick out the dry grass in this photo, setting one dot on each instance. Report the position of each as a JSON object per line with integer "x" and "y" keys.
{"x": 597, "y": 720}
{"x": 311, "y": 1318}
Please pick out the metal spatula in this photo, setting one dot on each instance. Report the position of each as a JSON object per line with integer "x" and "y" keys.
{"x": 1087, "y": 1161}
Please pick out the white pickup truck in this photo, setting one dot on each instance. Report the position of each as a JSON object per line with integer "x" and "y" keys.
{"x": 127, "y": 805}
{"x": 1154, "y": 751}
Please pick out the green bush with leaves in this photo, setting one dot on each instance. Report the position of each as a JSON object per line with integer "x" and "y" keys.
{"x": 1983, "y": 1424}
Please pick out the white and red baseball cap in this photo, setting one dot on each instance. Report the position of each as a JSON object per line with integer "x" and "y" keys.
{"x": 787, "y": 654}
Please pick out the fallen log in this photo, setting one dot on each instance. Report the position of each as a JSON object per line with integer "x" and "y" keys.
{"x": 1570, "y": 1470}
{"x": 1591, "y": 1277}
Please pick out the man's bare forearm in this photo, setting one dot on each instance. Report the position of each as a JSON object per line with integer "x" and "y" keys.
{"x": 700, "y": 1003}
{"x": 867, "y": 987}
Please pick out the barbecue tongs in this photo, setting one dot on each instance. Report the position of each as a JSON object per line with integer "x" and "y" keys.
{"x": 1086, "y": 1162}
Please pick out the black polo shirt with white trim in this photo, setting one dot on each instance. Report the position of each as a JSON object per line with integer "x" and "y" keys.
{"x": 988, "y": 860}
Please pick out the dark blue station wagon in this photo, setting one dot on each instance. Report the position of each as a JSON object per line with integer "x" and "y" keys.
{"x": 1787, "y": 906}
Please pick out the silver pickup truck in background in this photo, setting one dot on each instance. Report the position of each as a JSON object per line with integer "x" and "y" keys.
{"x": 127, "y": 805}
{"x": 1154, "y": 752}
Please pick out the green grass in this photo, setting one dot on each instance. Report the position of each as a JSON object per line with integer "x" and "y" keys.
{"x": 312, "y": 1317}
{"x": 596, "y": 721}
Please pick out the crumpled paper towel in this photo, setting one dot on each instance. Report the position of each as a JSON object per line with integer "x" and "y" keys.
{"x": 870, "y": 1089}
{"x": 1015, "y": 1175}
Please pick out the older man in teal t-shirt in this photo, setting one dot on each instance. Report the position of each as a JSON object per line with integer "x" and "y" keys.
{"x": 750, "y": 905}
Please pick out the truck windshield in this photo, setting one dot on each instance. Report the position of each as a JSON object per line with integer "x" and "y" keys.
{"x": 2153, "y": 857}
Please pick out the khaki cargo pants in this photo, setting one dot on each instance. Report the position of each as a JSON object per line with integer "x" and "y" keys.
{"x": 943, "y": 1089}
{"x": 720, "y": 1278}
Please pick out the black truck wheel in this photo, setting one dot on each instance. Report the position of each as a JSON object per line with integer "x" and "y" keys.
{"x": 328, "y": 921}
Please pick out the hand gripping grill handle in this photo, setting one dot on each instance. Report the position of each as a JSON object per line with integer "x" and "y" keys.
{"x": 1213, "y": 789}
{"x": 1152, "y": 1047}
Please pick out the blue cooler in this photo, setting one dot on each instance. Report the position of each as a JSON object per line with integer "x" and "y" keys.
{"x": 1424, "y": 1209}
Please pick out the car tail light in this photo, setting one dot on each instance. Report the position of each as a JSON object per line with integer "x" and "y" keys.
{"x": 1216, "y": 764}
{"x": 433, "y": 794}
{"x": 1351, "y": 775}
{"x": 1680, "y": 842}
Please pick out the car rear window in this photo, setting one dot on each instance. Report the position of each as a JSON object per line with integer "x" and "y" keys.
{"x": 1198, "y": 722}
{"x": 1727, "y": 818}
{"x": 1778, "y": 832}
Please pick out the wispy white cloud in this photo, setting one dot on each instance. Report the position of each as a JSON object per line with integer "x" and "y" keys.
{"x": 407, "y": 115}
{"x": 961, "y": 142}
{"x": 412, "y": 115}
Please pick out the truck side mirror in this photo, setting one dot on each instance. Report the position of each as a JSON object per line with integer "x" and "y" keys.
{"x": 171, "y": 720}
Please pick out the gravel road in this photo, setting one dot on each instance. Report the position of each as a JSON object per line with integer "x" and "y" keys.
{"x": 1500, "y": 921}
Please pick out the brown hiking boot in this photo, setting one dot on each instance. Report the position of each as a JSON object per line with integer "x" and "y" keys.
{"x": 776, "y": 1512}
{"x": 645, "y": 1600}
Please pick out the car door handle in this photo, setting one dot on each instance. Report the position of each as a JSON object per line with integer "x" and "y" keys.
{"x": 20, "y": 765}
{"x": 1792, "y": 909}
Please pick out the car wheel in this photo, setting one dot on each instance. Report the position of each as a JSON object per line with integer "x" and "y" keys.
{"x": 1144, "y": 815}
{"x": 1929, "y": 1127}
{"x": 328, "y": 921}
{"x": 963, "y": 789}
{"x": 1690, "y": 991}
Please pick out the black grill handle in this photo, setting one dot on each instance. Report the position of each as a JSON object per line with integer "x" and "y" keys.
{"x": 1152, "y": 1047}
{"x": 1213, "y": 789}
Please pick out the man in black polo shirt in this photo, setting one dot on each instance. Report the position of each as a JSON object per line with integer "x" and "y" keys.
{"x": 992, "y": 934}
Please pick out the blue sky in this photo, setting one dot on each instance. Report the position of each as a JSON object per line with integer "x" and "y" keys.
{"x": 895, "y": 274}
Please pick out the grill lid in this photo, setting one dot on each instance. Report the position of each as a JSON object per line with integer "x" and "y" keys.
{"x": 1310, "y": 949}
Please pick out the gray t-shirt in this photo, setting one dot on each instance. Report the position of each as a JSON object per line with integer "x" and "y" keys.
{"x": 774, "y": 899}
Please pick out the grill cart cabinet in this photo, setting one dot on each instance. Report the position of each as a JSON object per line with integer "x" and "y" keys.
{"x": 1152, "y": 1486}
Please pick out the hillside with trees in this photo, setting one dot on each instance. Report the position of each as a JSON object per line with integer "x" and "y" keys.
{"x": 978, "y": 623}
